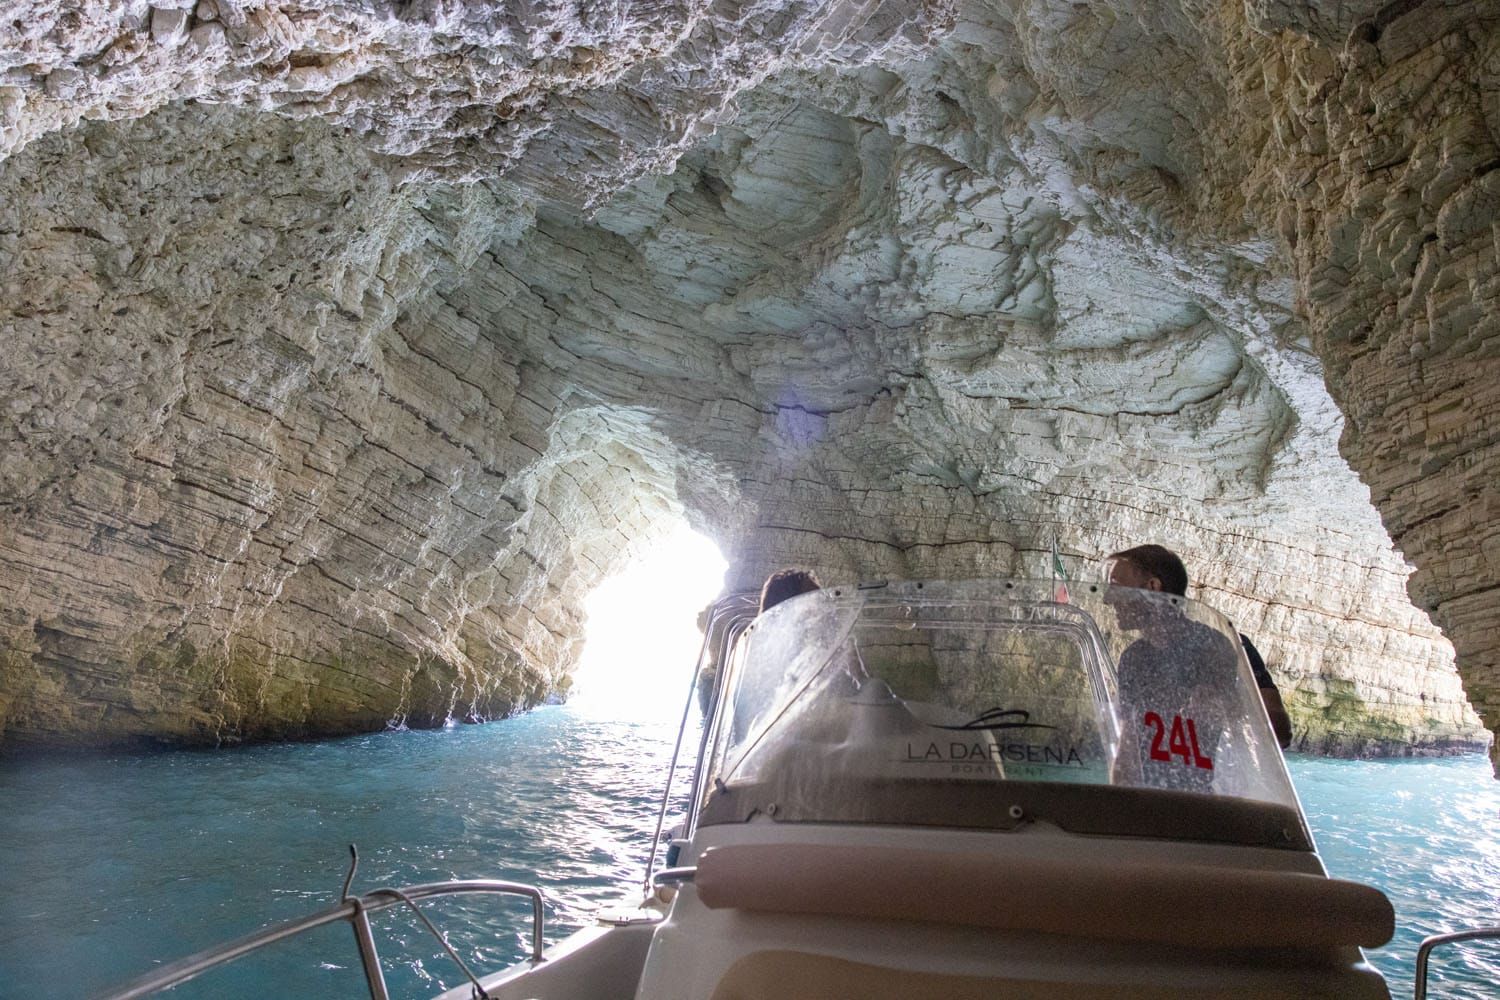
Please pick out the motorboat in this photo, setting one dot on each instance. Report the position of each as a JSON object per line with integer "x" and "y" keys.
{"x": 954, "y": 790}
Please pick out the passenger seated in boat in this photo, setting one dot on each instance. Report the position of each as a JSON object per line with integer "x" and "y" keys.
{"x": 1161, "y": 569}
{"x": 1176, "y": 682}
{"x": 781, "y": 585}
{"x": 785, "y": 584}
{"x": 1175, "y": 675}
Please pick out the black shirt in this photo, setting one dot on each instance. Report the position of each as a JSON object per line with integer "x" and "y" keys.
{"x": 1257, "y": 665}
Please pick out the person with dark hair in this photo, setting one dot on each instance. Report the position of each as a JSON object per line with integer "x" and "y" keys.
{"x": 1159, "y": 567}
{"x": 1155, "y": 567}
{"x": 781, "y": 585}
{"x": 785, "y": 584}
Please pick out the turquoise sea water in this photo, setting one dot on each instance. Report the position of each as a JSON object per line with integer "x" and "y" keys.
{"x": 114, "y": 863}
{"x": 1427, "y": 832}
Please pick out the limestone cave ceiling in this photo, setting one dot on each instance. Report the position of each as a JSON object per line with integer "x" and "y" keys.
{"x": 350, "y": 344}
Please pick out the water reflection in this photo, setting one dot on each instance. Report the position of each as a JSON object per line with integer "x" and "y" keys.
{"x": 133, "y": 860}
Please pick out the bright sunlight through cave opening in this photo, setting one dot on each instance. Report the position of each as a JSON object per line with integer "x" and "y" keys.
{"x": 643, "y": 640}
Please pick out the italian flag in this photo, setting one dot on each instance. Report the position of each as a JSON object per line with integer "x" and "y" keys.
{"x": 1059, "y": 578}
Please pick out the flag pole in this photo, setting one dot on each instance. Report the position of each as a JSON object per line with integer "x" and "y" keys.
{"x": 1059, "y": 576}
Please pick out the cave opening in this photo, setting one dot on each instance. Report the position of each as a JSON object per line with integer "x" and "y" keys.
{"x": 642, "y": 639}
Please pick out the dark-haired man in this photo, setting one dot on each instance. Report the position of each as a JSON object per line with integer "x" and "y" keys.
{"x": 1155, "y": 567}
{"x": 784, "y": 584}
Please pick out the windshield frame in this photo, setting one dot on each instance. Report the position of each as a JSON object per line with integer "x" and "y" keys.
{"x": 854, "y": 605}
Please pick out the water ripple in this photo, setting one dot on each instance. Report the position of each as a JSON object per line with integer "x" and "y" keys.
{"x": 132, "y": 860}
{"x": 1427, "y": 833}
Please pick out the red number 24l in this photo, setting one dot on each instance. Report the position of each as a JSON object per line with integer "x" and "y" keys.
{"x": 1183, "y": 741}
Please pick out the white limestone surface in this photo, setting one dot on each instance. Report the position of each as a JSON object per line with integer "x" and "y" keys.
{"x": 351, "y": 344}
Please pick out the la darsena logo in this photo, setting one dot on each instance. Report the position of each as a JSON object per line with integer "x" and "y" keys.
{"x": 965, "y": 755}
{"x": 997, "y": 719}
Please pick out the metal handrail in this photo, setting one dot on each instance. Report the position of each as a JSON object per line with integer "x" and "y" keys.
{"x": 666, "y": 794}
{"x": 740, "y": 611}
{"x": 674, "y": 876}
{"x": 354, "y": 909}
{"x": 1425, "y": 951}
{"x": 727, "y": 612}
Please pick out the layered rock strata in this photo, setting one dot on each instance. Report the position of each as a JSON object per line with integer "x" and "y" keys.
{"x": 1391, "y": 169}
{"x": 328, "y": 405}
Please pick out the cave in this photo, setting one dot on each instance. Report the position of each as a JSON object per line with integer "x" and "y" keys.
{"x": 349, "y": 347}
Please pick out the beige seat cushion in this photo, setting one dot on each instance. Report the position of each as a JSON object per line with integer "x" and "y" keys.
{"x": 793, "y": 975}
{"x": 1191, "y": 905}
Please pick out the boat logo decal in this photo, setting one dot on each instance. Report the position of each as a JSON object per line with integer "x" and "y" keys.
{"x": 998, "y": 718}
{"x": 979, "y": 754}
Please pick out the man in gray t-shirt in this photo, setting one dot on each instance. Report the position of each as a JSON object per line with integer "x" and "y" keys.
{"x": 1156, "y": 568}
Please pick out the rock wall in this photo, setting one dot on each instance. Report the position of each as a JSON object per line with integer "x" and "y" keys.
{"x": 330, "y": 404}
{"x": 1391, "y": 180}
{"x": 224, "y": 492}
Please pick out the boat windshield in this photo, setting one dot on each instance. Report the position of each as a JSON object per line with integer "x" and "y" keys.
{"x": 990, "y": 704}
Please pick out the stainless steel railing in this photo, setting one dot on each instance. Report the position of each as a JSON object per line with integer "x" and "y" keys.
{"x": 1425, "y": 951}
{"x": 727, "y": 618}
{"x": 354, "y": 909}
{"x": 673, "y": 876}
